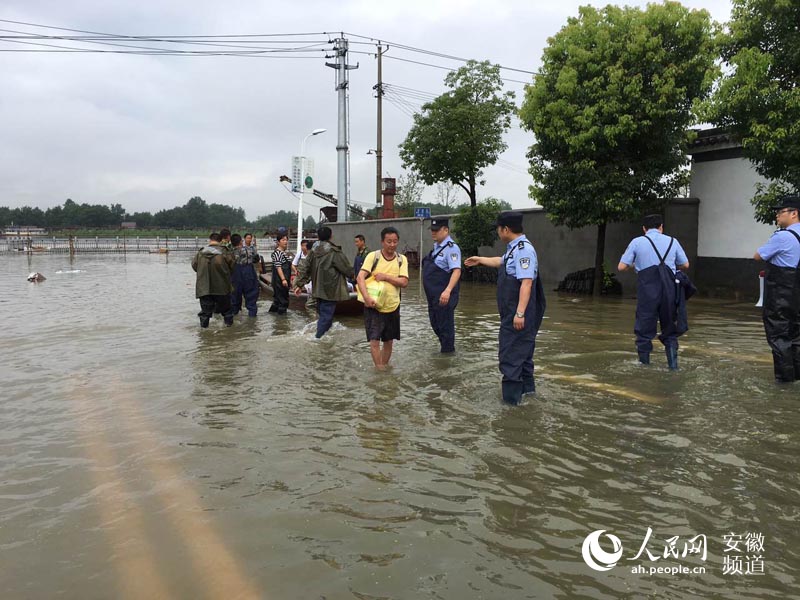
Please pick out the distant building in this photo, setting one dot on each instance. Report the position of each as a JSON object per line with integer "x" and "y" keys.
{"x": 127, "y": 225}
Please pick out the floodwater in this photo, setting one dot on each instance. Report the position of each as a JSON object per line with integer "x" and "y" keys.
{"x": 143, "y": 457}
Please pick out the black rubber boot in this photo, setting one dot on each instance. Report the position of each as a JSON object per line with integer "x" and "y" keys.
{"x": 512, "y": 392}
{"x": 528, "y": 385}
{"x": 644, "y": 358}
{"x": 672, "y": 357}
{"x": 204, "y": 321}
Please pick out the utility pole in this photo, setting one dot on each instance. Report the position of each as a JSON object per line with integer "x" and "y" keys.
{"x": 342, "y": 145}
{"x": 379, "y": 146}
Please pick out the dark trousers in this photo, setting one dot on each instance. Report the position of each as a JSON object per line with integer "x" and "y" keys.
{"x": 655, "y": 303}
{"x": 443, "y": 323}
{"x": 215, "y": 304}
{"x": 280, "y": 301}
{"x": 648, "y": 315}
{"x": 245, "y": 284}
{"x": 325, "y": 308}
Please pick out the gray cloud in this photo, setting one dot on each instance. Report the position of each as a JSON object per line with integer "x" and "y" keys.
{"x": 150, "y": 132}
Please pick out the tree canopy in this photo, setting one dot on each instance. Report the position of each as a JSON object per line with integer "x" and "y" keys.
{"x": 196, "y": 213}
{"x": 758, "y": 98}
{"x": 460, "y": 133}
{"x": 610, "y": 111}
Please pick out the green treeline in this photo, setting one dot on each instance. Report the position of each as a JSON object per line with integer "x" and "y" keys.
{"x": 195, "y": 214}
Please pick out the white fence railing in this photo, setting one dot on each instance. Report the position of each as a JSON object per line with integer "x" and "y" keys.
{"x": 114, "y": 245}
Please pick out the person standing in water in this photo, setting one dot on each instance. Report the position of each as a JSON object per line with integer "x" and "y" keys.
{"x": 281, "y": 273}
{"x": 656, "y": 258}
{"x": 521, "y": 304}
{"x": 380, "y": 279}
{"x": 782, "y": 290}
{"x": 441, "y": 272}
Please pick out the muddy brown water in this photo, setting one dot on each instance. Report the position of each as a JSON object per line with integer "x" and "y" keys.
{"x": 141, "y": 457}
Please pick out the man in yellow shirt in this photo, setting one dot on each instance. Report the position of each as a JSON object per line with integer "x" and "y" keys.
{"x": 382, "y": 275}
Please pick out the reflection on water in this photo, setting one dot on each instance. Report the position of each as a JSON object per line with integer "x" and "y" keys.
{"x": 141, "y": 456}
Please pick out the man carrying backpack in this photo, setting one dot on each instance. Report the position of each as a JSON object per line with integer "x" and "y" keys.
{"x": 382, "y": 275}
{"x": 659, "y": 291}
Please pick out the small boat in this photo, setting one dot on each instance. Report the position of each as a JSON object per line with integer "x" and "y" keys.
{"x": 347, "y": 307}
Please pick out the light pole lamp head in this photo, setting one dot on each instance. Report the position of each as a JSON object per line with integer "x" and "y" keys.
{"x": 318, "y": 131}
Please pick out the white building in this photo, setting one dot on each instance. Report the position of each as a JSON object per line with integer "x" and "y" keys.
{"x": 728, "y": 235}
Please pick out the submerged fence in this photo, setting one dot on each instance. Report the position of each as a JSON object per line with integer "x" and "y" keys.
{"x": 111, "y": 245}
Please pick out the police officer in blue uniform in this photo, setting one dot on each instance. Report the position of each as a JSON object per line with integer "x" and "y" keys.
{"x": 782, "y": 290}
{"x": 656, "y": 258}
{"x": 441, "y": 272}
{"x": 521, "y": 303}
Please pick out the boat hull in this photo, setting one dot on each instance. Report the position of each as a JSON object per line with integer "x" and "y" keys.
{"x": 349, "y": 307}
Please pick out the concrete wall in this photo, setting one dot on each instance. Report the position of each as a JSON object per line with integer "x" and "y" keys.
{"x": 727, "y": 228}
{"x": 560, "y": 250}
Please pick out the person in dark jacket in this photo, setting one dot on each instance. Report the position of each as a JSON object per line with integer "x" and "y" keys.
{"x": 782, "y": 290}
{"x": 361, "y": 253}
{"x": 245, "y": 279}
{"x": 657, "y": 258}
{"x": 213, "y": 265}
{"x": 281, "y": 275}
{"x": 327, "y": 269}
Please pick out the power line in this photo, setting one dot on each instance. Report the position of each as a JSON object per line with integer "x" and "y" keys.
{"x": 433, "y": 53}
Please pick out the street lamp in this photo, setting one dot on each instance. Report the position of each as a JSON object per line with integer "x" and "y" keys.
{"x": 302, "y": 184}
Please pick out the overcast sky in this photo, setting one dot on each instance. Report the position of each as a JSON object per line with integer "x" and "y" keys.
{"x": 150, "y": 132}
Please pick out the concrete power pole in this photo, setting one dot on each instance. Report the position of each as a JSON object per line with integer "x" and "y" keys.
{"x": 342, "y": 145}
{"x": 379, "y": 146}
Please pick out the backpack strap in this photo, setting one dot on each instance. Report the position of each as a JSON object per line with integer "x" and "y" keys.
{"x": 378, "y": 259}
{"x": 658, "y": 254}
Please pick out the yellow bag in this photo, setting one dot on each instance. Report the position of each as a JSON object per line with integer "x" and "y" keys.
{"x": 375, "y": 289}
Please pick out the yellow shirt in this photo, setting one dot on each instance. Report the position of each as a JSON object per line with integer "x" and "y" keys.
{"x": 390, "y": 293}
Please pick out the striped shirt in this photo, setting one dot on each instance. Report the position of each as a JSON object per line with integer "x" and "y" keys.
{"x": 279, "y": 258}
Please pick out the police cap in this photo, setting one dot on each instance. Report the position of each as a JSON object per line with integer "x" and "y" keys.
{"x": 509, "y": 218}
{"x": 790, "y": 201}
{"x": 438, "y": 223}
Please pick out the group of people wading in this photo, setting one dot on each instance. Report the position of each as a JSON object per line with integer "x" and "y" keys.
{"x": 658, "y": 259}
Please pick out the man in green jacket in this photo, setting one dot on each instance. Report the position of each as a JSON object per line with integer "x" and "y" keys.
{"x": 327, "y": 268}
{"x": 213, "y": 265}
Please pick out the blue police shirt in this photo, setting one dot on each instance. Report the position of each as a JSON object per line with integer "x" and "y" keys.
{"x": 641, "y": 255}
{"x": 782, "y": 249}
{"x": 523, "y": 263}
{"x": 450, "y": 258}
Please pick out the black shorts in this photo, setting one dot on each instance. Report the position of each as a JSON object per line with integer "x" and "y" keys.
{"x": 382, "y": 326}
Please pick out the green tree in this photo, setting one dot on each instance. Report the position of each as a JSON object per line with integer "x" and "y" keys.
{"x": 461, "y": 132}
{"x": 410, "y": 188}
{"x": 610, "y": 109}
{"x": 759, "y": 97}
{"x": 474, "y": 225}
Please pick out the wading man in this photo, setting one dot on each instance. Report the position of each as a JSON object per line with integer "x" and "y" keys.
{"x": 380, "y": 279}
{"x": 213, "y": 265}
{"x": 782, "y": 291}
{"x": 245, "y": 279}
{"x": 327, "y": 268}
{"x": 656, "y": 258}
{"x": 521, "y": 303}
{"x": 441, "y": 271}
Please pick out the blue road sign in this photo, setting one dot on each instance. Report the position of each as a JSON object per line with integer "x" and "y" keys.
{"x": 422, "y": 212}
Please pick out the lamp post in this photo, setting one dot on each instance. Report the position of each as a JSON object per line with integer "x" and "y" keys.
{"x": 302, "y": 185}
